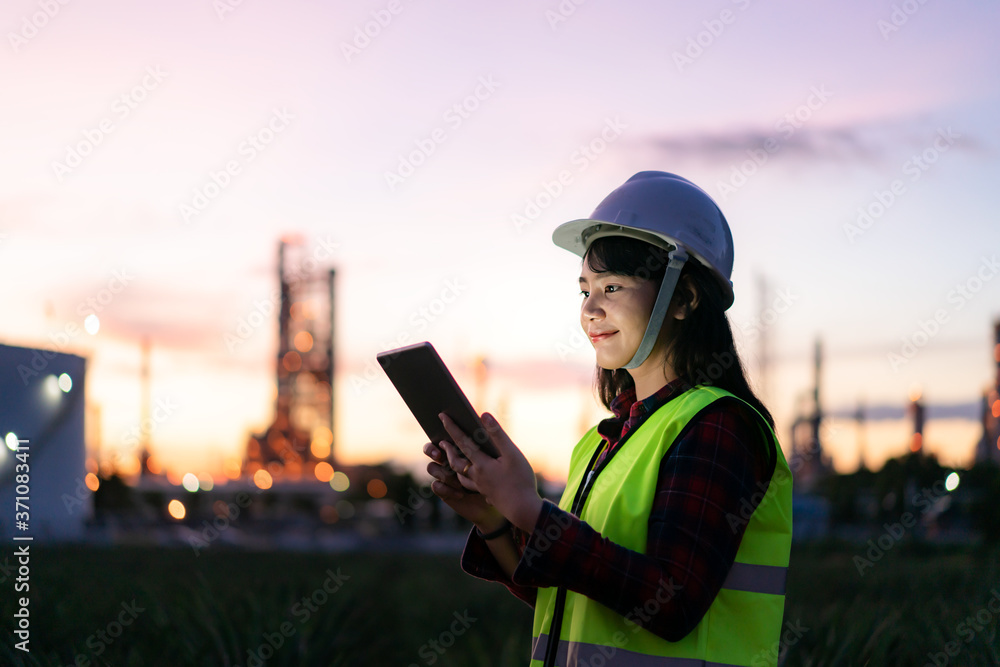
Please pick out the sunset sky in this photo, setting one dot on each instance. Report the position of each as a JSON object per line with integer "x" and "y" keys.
{"x": 152, "y": 154}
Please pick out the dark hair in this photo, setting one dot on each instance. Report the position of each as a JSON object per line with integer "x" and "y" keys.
{"x": 702, "y": 350}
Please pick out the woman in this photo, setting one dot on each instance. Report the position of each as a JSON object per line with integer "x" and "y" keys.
{"x": 671, "y": 540}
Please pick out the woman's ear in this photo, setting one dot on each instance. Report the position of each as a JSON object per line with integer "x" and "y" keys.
{"x": 687, "y": 297}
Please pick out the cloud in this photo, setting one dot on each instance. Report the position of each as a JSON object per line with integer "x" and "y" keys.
{"x": 874, "y": 144}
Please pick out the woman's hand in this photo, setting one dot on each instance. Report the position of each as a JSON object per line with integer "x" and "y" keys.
{"x": 446, "y": 486}
{"x": 506, "y": 483}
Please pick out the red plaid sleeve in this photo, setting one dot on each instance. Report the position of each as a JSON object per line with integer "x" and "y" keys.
{"x": 716, "y": 465}
{"x": 478, "y": 560}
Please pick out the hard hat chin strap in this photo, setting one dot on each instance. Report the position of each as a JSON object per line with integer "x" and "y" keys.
{"x": 676, "y": 262}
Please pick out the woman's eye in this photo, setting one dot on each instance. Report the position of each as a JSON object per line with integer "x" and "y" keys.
{"x": 609, "y": 288}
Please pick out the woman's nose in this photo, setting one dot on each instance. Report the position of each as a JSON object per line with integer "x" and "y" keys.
{"x": 591, "y": 307}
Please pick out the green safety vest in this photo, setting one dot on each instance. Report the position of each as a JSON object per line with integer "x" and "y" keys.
{"x": 742, "y": 626}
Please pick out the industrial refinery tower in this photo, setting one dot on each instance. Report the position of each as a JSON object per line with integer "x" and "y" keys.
{"x": 301, "y": 435}
{"x": 988, "y": 448}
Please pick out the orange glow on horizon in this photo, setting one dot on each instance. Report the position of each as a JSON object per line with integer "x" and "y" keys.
{"x": 153, "y": 465}
{"x": 232, "y": 468}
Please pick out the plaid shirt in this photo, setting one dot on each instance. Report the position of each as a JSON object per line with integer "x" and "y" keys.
{"x": 716, "y": 467}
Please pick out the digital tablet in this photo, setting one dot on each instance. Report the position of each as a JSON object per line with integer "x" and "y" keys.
{"x": 428, "y": 388}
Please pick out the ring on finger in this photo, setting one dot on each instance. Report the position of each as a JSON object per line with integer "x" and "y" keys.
{"x": 465, "y": 470}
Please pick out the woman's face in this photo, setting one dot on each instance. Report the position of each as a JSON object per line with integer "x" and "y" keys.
{"x": 614, "y": 314}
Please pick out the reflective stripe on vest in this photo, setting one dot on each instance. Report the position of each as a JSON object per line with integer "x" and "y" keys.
{"x": 595, "y": 654}
{"x": 743, "y": 623}
{"x": 757, "y": 578}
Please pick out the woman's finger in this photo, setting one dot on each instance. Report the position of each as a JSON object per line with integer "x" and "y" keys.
{"x": 446, "y": 492}
{"x": 433, "y": 451}
{"x": 461, "y": 466}
{"x": 444, "y": 475}
{"x": 462, "y": 441}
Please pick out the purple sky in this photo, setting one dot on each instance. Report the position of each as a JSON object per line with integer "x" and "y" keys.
{"x": 793, "y": 115}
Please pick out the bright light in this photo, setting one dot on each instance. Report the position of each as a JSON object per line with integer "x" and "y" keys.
{"x": 376, "y": 488}
{"x": 303, "y": 341}
{"x": 176, "y": 509}
{"x": 205, "y": 482}
{"x": 339, "y": 481}
{"x": 233, "y": 468}
{"x": 324, "y": 471}
{"x": 65, "y": 383}
{"x": 190, "y": 482}
{"x": 11, "y": 441}
{"x": 262, "y": 479}
{"x": 51, "y": 387}
{"x": 322, "y": 439}
{"x": 951, "y": 481}
{"x": 92, "y": 481}
{"x": 92, "y": 324}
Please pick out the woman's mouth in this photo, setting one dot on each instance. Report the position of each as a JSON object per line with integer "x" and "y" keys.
{"x": 596, "y": 338}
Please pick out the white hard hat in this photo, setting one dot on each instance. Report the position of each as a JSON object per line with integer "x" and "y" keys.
{"x": 668, "y": 211}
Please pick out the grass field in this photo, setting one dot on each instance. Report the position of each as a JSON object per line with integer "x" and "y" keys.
{"x": 138, "y": 606}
